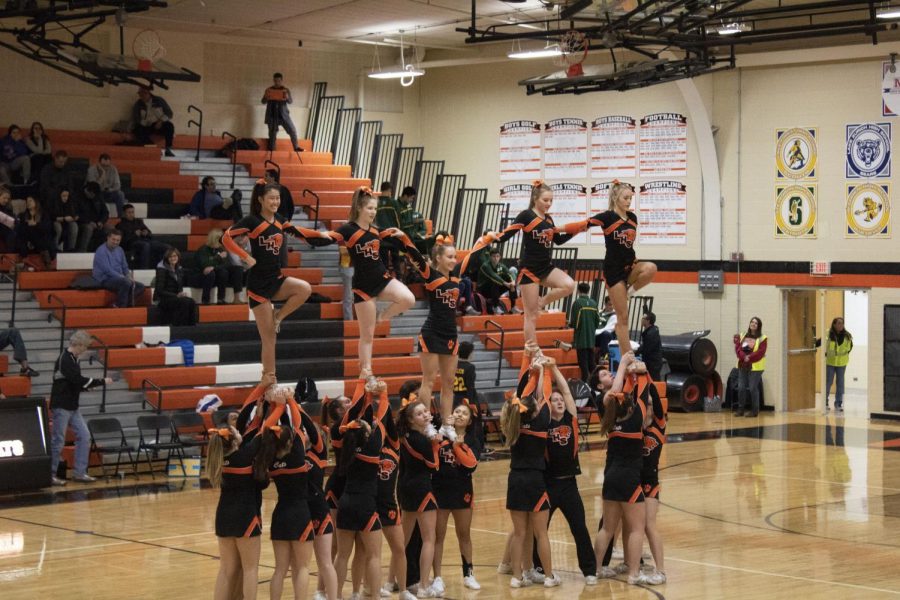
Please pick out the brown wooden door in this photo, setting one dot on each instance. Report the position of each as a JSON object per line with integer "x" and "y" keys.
{"x": 801, "y": 352}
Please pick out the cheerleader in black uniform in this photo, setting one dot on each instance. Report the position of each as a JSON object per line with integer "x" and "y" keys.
{"x": 419, "y": 442}
{"x": 624, "y": 418}
{"x": 654, "y": 438}
{"x": 525, "y": 419}
{"x": 371, "y": 281}
{"x": 621, "y": 269}
{"x": 455, "y": 495}
{"x": 265, "y": 282}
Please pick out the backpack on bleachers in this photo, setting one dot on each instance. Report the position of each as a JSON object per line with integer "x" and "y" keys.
{"x": 306, "y": 390}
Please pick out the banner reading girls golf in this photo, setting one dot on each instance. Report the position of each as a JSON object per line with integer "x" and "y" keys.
{"x": 614, "y": 146}
{"x": 662, "y": 213}
{"x": 517, "y": 196}
{"x": 569, "y": 205}
{"x": 565, "y": 149}
{"x": 520, "y": 150}
{"x": 663, "y": 146}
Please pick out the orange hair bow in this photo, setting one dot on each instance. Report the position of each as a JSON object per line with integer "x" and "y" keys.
{"x": 276, "y": 429}
{"x": 616, "y": 182}
{"x": 260, "y": 181}
{"x": 367, "y": 190}
{"x": 444, "y": 240}
{"x": 537, "y": 183}
{"x": 223, "y": 432}
{"x": 406, "y": 401}
{"x": 517, "y": 402}
{"x": 349, "y": 426}
{"x": 509, "y": 395}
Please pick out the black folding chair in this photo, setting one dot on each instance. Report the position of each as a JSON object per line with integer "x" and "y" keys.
{"x": 190, "y": 430}
{"x": 584, "y": 402}
{"x": 491, "y": 419}
{"x": 107, "y": 437}
{"x": 158, "y": 435}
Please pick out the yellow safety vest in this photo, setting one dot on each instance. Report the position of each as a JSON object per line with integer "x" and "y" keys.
{"x": 838, "y": 355}
{"x": 759, "y": 365}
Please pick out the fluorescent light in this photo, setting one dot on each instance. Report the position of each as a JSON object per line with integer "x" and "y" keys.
{"x": 732, "y": 28}
{"x": 888, "y": 12}
{"x": 397, "y": 73}
{"x": 546, "y": 52}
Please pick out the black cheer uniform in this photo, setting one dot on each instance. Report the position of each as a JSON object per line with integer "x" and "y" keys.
{"x": 370, "y": 276}
{"x": 265, "y": 278}
{"x": 291, "y": 520}
{"x": 438, "y": 335}
{"x": 334, "y": 487}
{"x": 538, "y": 236}
{"x": 238, "y": 513}
{"x": 317, "y": 456}
{"x": 654, "y": 436}
{"x": 624, "y": 458}
{"x": 418, "y": 461}
{"x": 619, "y": 235}
{"x": 388, "y": 470}
{"x": 526, "y": 489}
{"x": 358, "y": 508}
{"x": 453, "y": 481}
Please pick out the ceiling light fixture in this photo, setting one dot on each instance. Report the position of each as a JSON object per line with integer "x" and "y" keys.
{"x": 548, "y": 51}
{"x": 732, "y": 28}
{"x": 405, "y": 72}
{"x": 887, "y": 11}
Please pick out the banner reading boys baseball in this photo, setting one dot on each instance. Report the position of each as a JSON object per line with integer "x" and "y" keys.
{"x": 570, "y": 205}
{"x": 517, "y": 195}
{"x": 662, "y": 151}
{"x": 520, "y": 150}
{"x": 565, "y": 149}
{"x": 868, "y": 150}
{"x": 614, "y": 146}
{"x": 662, "y": 216}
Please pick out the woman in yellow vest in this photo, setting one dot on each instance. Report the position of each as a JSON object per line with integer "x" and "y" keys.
{"x": 751, "y": 353}
{"x": 837, "y": 355}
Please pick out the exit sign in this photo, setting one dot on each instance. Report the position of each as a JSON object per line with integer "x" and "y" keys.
{"x": 820, "y": 268}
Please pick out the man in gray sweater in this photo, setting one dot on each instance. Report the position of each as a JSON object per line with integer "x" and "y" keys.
{"x": 107, "y": 177}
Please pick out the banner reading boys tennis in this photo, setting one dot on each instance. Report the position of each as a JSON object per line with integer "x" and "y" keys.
{"x": 663, "y": 147}
{"x": 662, "y": 216}
{"x": 565, "y": 149}
{"x": 520, "y": 150}
{"x": 570, "y": 205}
{"x": 614, "y": 146}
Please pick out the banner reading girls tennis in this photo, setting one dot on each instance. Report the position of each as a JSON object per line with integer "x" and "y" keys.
{"x": 565, "y": 149}
{"x": 614, "y": 146}
{"x": 520, "y": 150}
{"x": 570, "y": 204}
{"x": 663, "y": 147}
{"x": 662, "y": 213}
{"x": 517, "y": 196}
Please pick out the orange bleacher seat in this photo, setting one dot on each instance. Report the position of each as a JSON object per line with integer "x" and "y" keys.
{"x": 4, "y": 363}
{"x": 514, "y": 357}
{"x": 85, "y": 298}
{"x": 351, "y": 329}
{"x": 516, "y": 339}
{"x": 382, "y": 346}
{"x": 141, "y": 180}
{"x": 471, "y": 324}
{"x": 258, "y": 169}
{"x": 186, "y": 398}
{"x": 119, "y": 336}
{"x": 171, "y": 376}
{"x": 16, "y": 385}
{"x": 85, "y": 317}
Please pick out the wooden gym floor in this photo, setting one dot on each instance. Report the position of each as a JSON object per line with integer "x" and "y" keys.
{"x": 787, "y": 506}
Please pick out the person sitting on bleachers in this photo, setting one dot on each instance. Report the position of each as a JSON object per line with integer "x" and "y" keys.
{"x": 7, "y": 221}
{"x": 151, "y": 115}
{"x": 34, "y": 232}
{"x": 92, "y": 218}
{"x": 39, "y": 146}
{"x": 137, "y": 240}
{"x": 175, "y": 305}
{"x": 412, "y": 222}
{"x": 111, "y": 271}
{"x": 207, "y": 203}
{"x": 107, "y": 176}
{"x": 14, "y": 156}
{"x": 56, "y": 176}
{"x": 64, "y": 214}
{"x": 12, "y": 337}
{"x": 494, "y": 281}
{"x": 214, "y": 269}
{"x": 387, "y": 217}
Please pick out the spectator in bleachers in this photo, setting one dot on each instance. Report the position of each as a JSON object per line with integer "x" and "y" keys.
{"x": 92, "y": 218}
{"x": 56, "y": 176}
{"x": 495, "y": 281}
{"x": 12, "y": 337}
{"x": 7, "y": 221}
{"x": 151, "y": 115}
{"x": 276, "y": 98}
{"x": 285, "y": 209}
{"x": 68, "y": 383}
{"x": 111, "y": 271}
{"x": 207, "y": 203}
{"x": 175, "y": 305}
{"x": 107, "y": 177}
{"x": 64, "y": 213}
{"x": 607, "y": 331}
{"x": 137, "y": 240}
{"x": 651, "y": 345}
{"x": 387, "y": 217}
{"x": 34, "y": 232}
{"x": 583, "y": 319}
{"x": 39, "y": 145}
{"x": 214, "y": 269}
{"x": 412, "y": 222}
{"x": 14, "y": 156}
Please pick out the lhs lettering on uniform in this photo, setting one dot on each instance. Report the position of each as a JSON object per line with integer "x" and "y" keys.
{"x": 626, "y": 237}
{"x": 448, "y": 297}
{"x": 545, "y": 237}
{"x": 369, "y": 249}
{"x": 272, "y": 243}
{"x": 10, "y": 448}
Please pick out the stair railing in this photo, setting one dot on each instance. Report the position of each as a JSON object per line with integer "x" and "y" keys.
{"x": 199, "y": 126}
{"x": 62, "y": 322}
{"x": 12, "y": 274}
{"x": 103, "y": 345}
{"x": 501, "y": 345}
{"x": 316, "y": 196}
{"x": 145, "y": 385}
{"x": 234, "y": 151}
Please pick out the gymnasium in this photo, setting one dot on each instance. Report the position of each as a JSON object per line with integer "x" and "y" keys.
{"x": 755, "y": 135}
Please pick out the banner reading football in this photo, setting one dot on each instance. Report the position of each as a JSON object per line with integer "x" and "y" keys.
{"x": 517, "y": 196}
{"x": 662, "y": 214}
{"x": 614, "y": 146}
{"x": 570, "y": 205}
{"x": 520, "y": 150}
{"x": 565, "y": 149}
{"x": 663, "y": 145}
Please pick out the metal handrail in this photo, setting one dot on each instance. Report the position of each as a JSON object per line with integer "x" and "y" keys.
{"x": 146, "y": 383}
{"x": 199, "y": 128}
{"x": 316, "y": 196}
{"x": 501, "y": 345}
{"x": 274, "y": 164}
{"x": 62, "y": 322}
{"x": 102, "y": 344}
{"x": 234, "y": 151}
{"x": 15, "y": 291}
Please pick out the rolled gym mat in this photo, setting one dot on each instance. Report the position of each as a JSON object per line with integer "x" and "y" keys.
{"x": 685, "y": 391}
{"x": 714, "y": 385}
{"x": 691, "y": 352}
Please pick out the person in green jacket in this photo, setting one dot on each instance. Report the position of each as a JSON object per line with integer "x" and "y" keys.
{"x": 387, "y": 217}
{"x": 214, "y": 269}
{"x": 837, "y": 355}
{"x": 494, "y": 280}
{"x": 412, "y": 222}
{"x": 584, "y": 319}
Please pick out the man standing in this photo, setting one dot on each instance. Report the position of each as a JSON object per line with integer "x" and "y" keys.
{"x": 111, "y": 271}
{"x": 583, "y": 319}
{"x": 151, "y": 115}
{"x": 276, "y": 98}
{"x": 107, "y": 177}
{"x": 651, "y": 346}
{"x": 68, "y": 383}
{"x": 137, "y": 240}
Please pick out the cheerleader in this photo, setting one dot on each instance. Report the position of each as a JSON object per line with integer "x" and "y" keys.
{"x": 622, "y": 271}
{"x": 265, "y": 282}
{"x": 454, "y": 493}
{"x": 624, "y": 417}
{"x": 654, "y": 438}
{"x": 419, "y": 442}
{"x": 525, "y": 419}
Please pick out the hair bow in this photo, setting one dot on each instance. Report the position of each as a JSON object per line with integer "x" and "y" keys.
{"x": 537, "y": 183}
{"x": 444, "y": 240}
{"x": 349, "y": 426}
{"x": 616, "y": 182}
{"x": 517, "y": 402}
{"x": 260, "y": 181}
{"x": 367, "y": 190}
{"x": 413, "y": 396}
{"x": 223, "y": 432}
{"x": 276, "y": 429}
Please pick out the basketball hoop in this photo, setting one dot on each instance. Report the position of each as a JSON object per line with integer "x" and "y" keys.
{"x": 574, "y": 47}
{"x": 147, "y": 49}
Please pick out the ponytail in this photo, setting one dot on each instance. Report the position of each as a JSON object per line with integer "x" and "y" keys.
{"x": 538, "y": 188}
{"x": 615, "y": 406}
{"x": 361, "y": 197}
{"x": 615, "y": 190}
{"x": 215, "y": 456}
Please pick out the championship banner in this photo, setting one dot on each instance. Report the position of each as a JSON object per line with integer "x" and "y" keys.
{"x": 520, "y": 150}
{"x": 868, "y": 150}
{"x": 796, "y": 153}
{"x": 890, "y": 89}
{"x": 663, "y": 146}
{"x": 599, "y": 202}
{"x": 614, "y": 147}
{"x": 662, "y": 217}
{"x": 795, "y": 210}
{"x": 569, "y": 205}
{"x": 565, "y": 149}
{"x": 517, "y": 196}
{"x": 868, "y": 210}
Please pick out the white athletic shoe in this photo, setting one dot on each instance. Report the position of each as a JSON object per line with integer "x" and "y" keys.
{"x": 448, "y": 432}
{"x": 355, "y": 596}
{"x": 656, "y": 578}
{"x": 426, "y": 593}
{"x": 638, "y": 579}
{"x": 470, "y": 582}
{"x": 320, "y": 595}
{"x": 516, "y": 583}
{"x": 437, "y": 584}
{"x": 552, "y": 581}
{"x": 470, "y": 310}
{"x": 534, "y": 576}
{"x": 606, "y": 573}
{"x": 504, "y": 569}
{"x": 390, "y": 588}
{"x": 621, "y": 568}
{"x": 590, "y": 580}
{"x": 404, "y": 595}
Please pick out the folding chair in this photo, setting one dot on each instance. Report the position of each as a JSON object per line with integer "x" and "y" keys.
{"x": 190, "y": 430}
{"x": 158, "y": 435}
{"x": 489, "y": 418}
{"x": 107, "y": 437}
{"x": 584, "y": 402}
